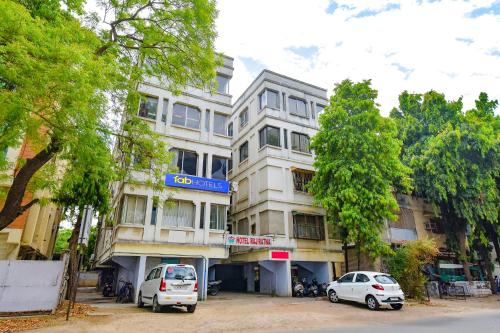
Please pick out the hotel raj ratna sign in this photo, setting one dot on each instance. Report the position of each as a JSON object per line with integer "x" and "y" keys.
{"x": 254, "y": 241}
{"x": 197, "y": 183}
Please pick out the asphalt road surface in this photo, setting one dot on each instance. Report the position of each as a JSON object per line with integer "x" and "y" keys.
{"x": 477, "y": 323}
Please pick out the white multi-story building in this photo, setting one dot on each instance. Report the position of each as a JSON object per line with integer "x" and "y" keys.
{"x": 190, "y": 229}
{"x": 271, "y": 125}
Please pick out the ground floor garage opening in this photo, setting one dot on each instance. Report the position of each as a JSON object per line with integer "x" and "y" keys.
{"x": 309, "y": 270}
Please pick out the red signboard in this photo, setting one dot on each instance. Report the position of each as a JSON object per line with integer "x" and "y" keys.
{"x": 280, "y": 255}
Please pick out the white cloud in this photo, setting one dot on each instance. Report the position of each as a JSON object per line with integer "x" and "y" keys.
{"x": 413, "y": 45}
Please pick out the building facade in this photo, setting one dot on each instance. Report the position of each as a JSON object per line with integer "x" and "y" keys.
{"x": 33, "y": 234}
{"x": 187, "y": 223}
{"x": 271, "y": 126}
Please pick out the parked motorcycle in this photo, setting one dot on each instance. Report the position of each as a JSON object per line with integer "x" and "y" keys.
{"x": 107, "y": 289}
{"x": 125, "y": 293}
{"x": 214, "y": 287}
{"x": 310, "y": 289}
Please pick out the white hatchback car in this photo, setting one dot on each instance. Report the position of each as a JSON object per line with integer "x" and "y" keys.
{"x": 169, "y": 285}
{"x": 372, "y": 288}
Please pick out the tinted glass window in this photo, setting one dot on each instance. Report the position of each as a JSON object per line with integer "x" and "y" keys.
{"x": 269, "y": 136}
{"x": 243, "y": 151}
{"x": 219, "y": 167}
{"x": 346, "y": 278}
{"x": 220, "y": 122}
{"x": 362, "y": 278}
{"x": 187, "y": 116}
{"x": 148, "y": 107}
{"x": 319, "y": 109}
{"x": 180, "y": 273}
{"x": 297, "y": 107}
{"x": 186, "y": 162}
{"x": 222, "y": 84}
{"x": 300, "y": 142}
{"x": 157, "y": 273}
{"x": 385, "y": 279}
{"x": 230, "y": 129}
{"x": 151, "y": 274}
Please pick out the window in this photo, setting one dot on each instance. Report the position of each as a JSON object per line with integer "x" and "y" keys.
{"x": 205, "y": 161}
{"x": 154, "y": 211}
{"x": 269, "y": 136}
{"x": 220, "y": 124}
{"x": 222, "y": 84}
{"x": 300, "y": 179}
{"x": 164, "y": 110}
{"x": 151, "y": 274}
{"x": 244, "y": 151}
{"x": 308, "y": 226}
{"x": 362, "y": 278}
{"x": 313, "y": 114}
{"x": 157, "y": 273}
{"x": 230, "y": 163}
{"x": 319, "y": 109}
{"x": 187, "y": 116}
{"x": 269, "y": 98}
{"x": 385, "y": 279}
{"x": 219, "y": 167}
{"x": 285, "y": 139}
{"x": 300, "y": 142}
{"x": 243, "y": 117}
{"x": 178, "y": 214}
{"x": 207, "y": 121}
{"x": 230, "y": 129}
{"x": 134, "y": 210}
{"x": 180, "y": 272}
{"x": 218, "y": 217}
{"x": 297, "y": 107}
{"x": 202, "y": 215}
{"x": 148, "y": 107}
{"x": 346, "y": 278}
{"x": 186, "y": 161}
{"x": 284, "y": 101}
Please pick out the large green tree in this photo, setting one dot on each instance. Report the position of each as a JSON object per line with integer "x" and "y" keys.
{"x": 63, "y": 81}
{"x": 357, "y": 166}
{"x": 454, "y": 158}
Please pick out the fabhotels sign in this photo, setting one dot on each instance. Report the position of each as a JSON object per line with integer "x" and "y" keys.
{"x": 197, "y": 183}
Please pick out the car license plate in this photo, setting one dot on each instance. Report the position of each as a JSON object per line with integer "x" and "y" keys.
{"x": 394, "y": 298}
{"x": 180, "y": 287}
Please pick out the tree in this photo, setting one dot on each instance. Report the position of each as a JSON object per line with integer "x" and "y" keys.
{"x": 454, "y": 158}
{"x": 357, "y": 166}
{"x": 406, "y": 266}
{"x": 62, "y": 239}
{"x": 61, "y": 81}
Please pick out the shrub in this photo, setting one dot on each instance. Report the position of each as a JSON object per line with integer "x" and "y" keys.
{"x": 406, "y": 264}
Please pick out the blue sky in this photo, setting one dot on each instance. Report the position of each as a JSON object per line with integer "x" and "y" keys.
{"x": 449, "y": 46}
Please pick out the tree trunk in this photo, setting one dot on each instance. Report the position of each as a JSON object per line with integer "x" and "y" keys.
{"x": 485, "y": 254}
{"x": 346, "y": 258}
{"x": 462, "y": 244}
{"x": 73, "y": 255}
{"x": 493, "y": 237}
{"x": 13, "y": 202}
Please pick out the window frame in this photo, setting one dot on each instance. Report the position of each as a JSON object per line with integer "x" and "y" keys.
{"x": 217, "y": 221}
{"x": 214, "y": 157}
{"x": 226, "y": 118}
{"x": 265, "y": 104}
{"x": 141, "y": 99}
{"x": 176, "y": 160}
{"x": 126, "y": 206}
{"x": 186, "y": 118}
{"x": 265, "y": 131}
{"x": 301, "y": 149}
{"x": 318, "y": 228}
{"x": 226, "y": 91}
{"x": 246, "y": 118}
{"x": 290, "y": 108}
{"x": 306, "y": 176}
{"x": 247, "y": 151}
{"x": 177, "y": 205}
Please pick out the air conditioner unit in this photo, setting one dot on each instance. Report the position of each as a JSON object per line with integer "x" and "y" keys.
{"x": 234, "y": 186}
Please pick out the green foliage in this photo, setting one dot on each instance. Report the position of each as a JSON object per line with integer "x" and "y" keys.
{"x": 62, "y": 239}
{"x": 65, "y": 81}
{"x": 454, "y": 157}
{"x": 358, "y": 166}
{"x": 406, "y": 264}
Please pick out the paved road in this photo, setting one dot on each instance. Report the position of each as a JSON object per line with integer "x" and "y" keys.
{"x": 478, "y": 323}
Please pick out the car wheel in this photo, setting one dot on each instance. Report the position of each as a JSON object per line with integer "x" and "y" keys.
{"x": 397, "y": 306}
{"x": 156, "y": 306}
{"x": 191, "y": 308}
{"x": 140, "y": 303}
{"x": 333, "y": 297}
{"x": 372, "y": 303}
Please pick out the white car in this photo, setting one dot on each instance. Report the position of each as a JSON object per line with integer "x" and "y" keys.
{"x": 169, "y": 285}
{"x": 371, "y": 288}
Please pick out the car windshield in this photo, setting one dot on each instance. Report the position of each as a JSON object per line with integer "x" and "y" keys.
{"x": 180, "y": 273}
{"x": 385, "y": 279}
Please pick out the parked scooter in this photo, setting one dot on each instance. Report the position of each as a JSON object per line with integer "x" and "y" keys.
{"x": 107, "y": 289}
{"x": 310, "y": 290}
{"x": 214, "y": 287}
{"x": 125, "y": 293}
{"x": 321, "y": 287}
{"x": 298, "y": 289}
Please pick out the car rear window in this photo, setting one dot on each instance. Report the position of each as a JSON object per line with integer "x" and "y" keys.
{"x": 180, "y": 273}
{"x": 385, "y": 279}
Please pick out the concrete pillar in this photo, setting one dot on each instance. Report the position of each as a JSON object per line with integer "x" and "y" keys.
{"x": 140, "y": 272}
{"x": 201, "y": 265}
{"x": 206, "y": 229}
